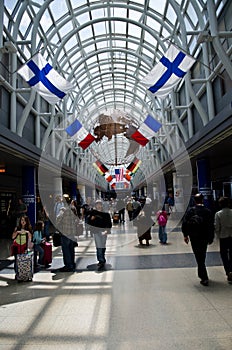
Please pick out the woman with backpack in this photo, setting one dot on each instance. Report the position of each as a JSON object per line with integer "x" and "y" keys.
{"x": 162, "y": 218}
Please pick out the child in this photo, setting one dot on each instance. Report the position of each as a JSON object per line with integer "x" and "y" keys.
{"x": 162, "y": 219}
{"x": 38, "y": 239}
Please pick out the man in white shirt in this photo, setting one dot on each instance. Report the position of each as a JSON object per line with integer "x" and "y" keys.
{"x": 223, "y": 230}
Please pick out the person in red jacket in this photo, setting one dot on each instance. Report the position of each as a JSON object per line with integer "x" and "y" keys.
{"x": 162, "y": 218}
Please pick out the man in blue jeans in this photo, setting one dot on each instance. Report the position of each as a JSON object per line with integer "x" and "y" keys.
{"x": 101, "y": 223}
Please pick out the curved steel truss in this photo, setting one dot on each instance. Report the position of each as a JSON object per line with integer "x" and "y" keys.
{"x": 105, "y": 49}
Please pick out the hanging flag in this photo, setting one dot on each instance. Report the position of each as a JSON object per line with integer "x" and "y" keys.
{"x": 101, "y": 167}
{"x": 128, "y": 177}
{"x": 146, "y": 130}
{"x": 136, "y": 167}
{"x": 82, "y": 136}
{"x": 108, "y": 177}
{"x": 99, "y": 170}
{"x": 40, "y": 75}
{"x": 113, "y": 185}
{"x": 167, "y": 73}
{"x": 132, "y": 165}
{"x": 119, "y": 173}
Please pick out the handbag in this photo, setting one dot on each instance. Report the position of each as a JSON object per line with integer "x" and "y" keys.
{"x": 56, "y": 238}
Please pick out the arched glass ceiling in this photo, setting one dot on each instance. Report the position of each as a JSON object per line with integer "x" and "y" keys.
{"x": 105, "y": 48}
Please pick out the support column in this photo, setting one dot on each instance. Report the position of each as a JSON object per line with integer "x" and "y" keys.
{"x": 81, "y": 189}
{"x": 28, "y": 192}
{"x": 178, "y": 193}
{"x": 204, "y": 181}
{"x": 74, "y": 190}
{"x": 58, "y": 188}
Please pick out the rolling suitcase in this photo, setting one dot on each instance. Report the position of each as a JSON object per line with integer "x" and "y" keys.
{"x": 25, "y": 266}
{"x": 47, "y": 247}
{"x": 116, "y": 218}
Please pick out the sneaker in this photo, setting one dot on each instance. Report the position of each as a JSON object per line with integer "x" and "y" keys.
{"x": 229, "y": 277}
{"x": 204, "y": 282}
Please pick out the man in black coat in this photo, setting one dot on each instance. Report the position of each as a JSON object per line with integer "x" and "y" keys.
{"x": 101, "y": 226}
{"x": 198, "y": 227}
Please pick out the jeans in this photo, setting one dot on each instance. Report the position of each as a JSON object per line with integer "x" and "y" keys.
{"x": 39, "y": 249}
{"x": 68, "y": 251}
{"x": 162, "y": 234}
{"x": 226, "y": 253}
{"x": 100, "y": 243}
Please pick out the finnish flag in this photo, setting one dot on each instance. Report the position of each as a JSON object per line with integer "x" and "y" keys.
{"x": 171, "y": 68}
{"x": 41, "y": 76}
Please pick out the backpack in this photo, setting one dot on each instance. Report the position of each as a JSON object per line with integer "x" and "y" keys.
{"x": 161, "y": 220}
{"x": 194, "y": 223}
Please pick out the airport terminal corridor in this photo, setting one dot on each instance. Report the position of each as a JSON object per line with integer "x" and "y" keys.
{"x": 148, "y": 297}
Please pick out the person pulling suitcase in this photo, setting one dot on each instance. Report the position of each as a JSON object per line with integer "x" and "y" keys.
{"x": 24, "y": 264}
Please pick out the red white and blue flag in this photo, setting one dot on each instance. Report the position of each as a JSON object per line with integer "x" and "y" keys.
{"x": 171, "y": 68}
{"x": 119, "y": 174}
{"x": 41, "y": 76}
{"x": 82, "y": 136}
{"x": 146, "y": 131}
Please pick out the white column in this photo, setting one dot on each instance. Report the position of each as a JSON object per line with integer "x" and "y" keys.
{"x": 58, "y": 188}
{"x": 178, "y": 193}
{"x": 81, "y": 189}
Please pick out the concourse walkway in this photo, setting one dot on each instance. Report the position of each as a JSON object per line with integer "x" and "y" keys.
{"x": 148, "y": 297}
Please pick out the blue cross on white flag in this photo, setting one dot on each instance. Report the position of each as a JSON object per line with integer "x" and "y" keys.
{"x": 167, "y": 73}
{"x": 40, "y": 75}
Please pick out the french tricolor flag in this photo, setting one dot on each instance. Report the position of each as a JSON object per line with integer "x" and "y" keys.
{"x": 146, "y": 131}
{"x": 83, "y": 137}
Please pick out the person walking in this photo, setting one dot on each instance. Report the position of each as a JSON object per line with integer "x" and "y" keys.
{"x": 38, "y": 239}
{"x": 66, "y": 224}
{"x": 86, "y": 210}
{"x": 198, "y": 227}
{"x": 223, "y": 231}
{"x": 129, "y": 208}
{"x": 121, "y": 210}
{"x": 101, "y": 226}
{"x": 144, "y": 223}
{"x": 162, "y": 218}
{"x": 58, "y": 205}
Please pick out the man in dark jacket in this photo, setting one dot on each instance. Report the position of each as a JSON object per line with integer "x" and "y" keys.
{"x": 67, "y": 225}
{"x": 198, "y": 226}
{"x": 101, "y": 223}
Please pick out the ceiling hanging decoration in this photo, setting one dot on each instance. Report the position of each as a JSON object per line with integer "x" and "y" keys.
{"x": 114, "y": 144}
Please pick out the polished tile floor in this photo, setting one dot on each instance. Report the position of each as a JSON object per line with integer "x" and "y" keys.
{"x": 147, "y": 298}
